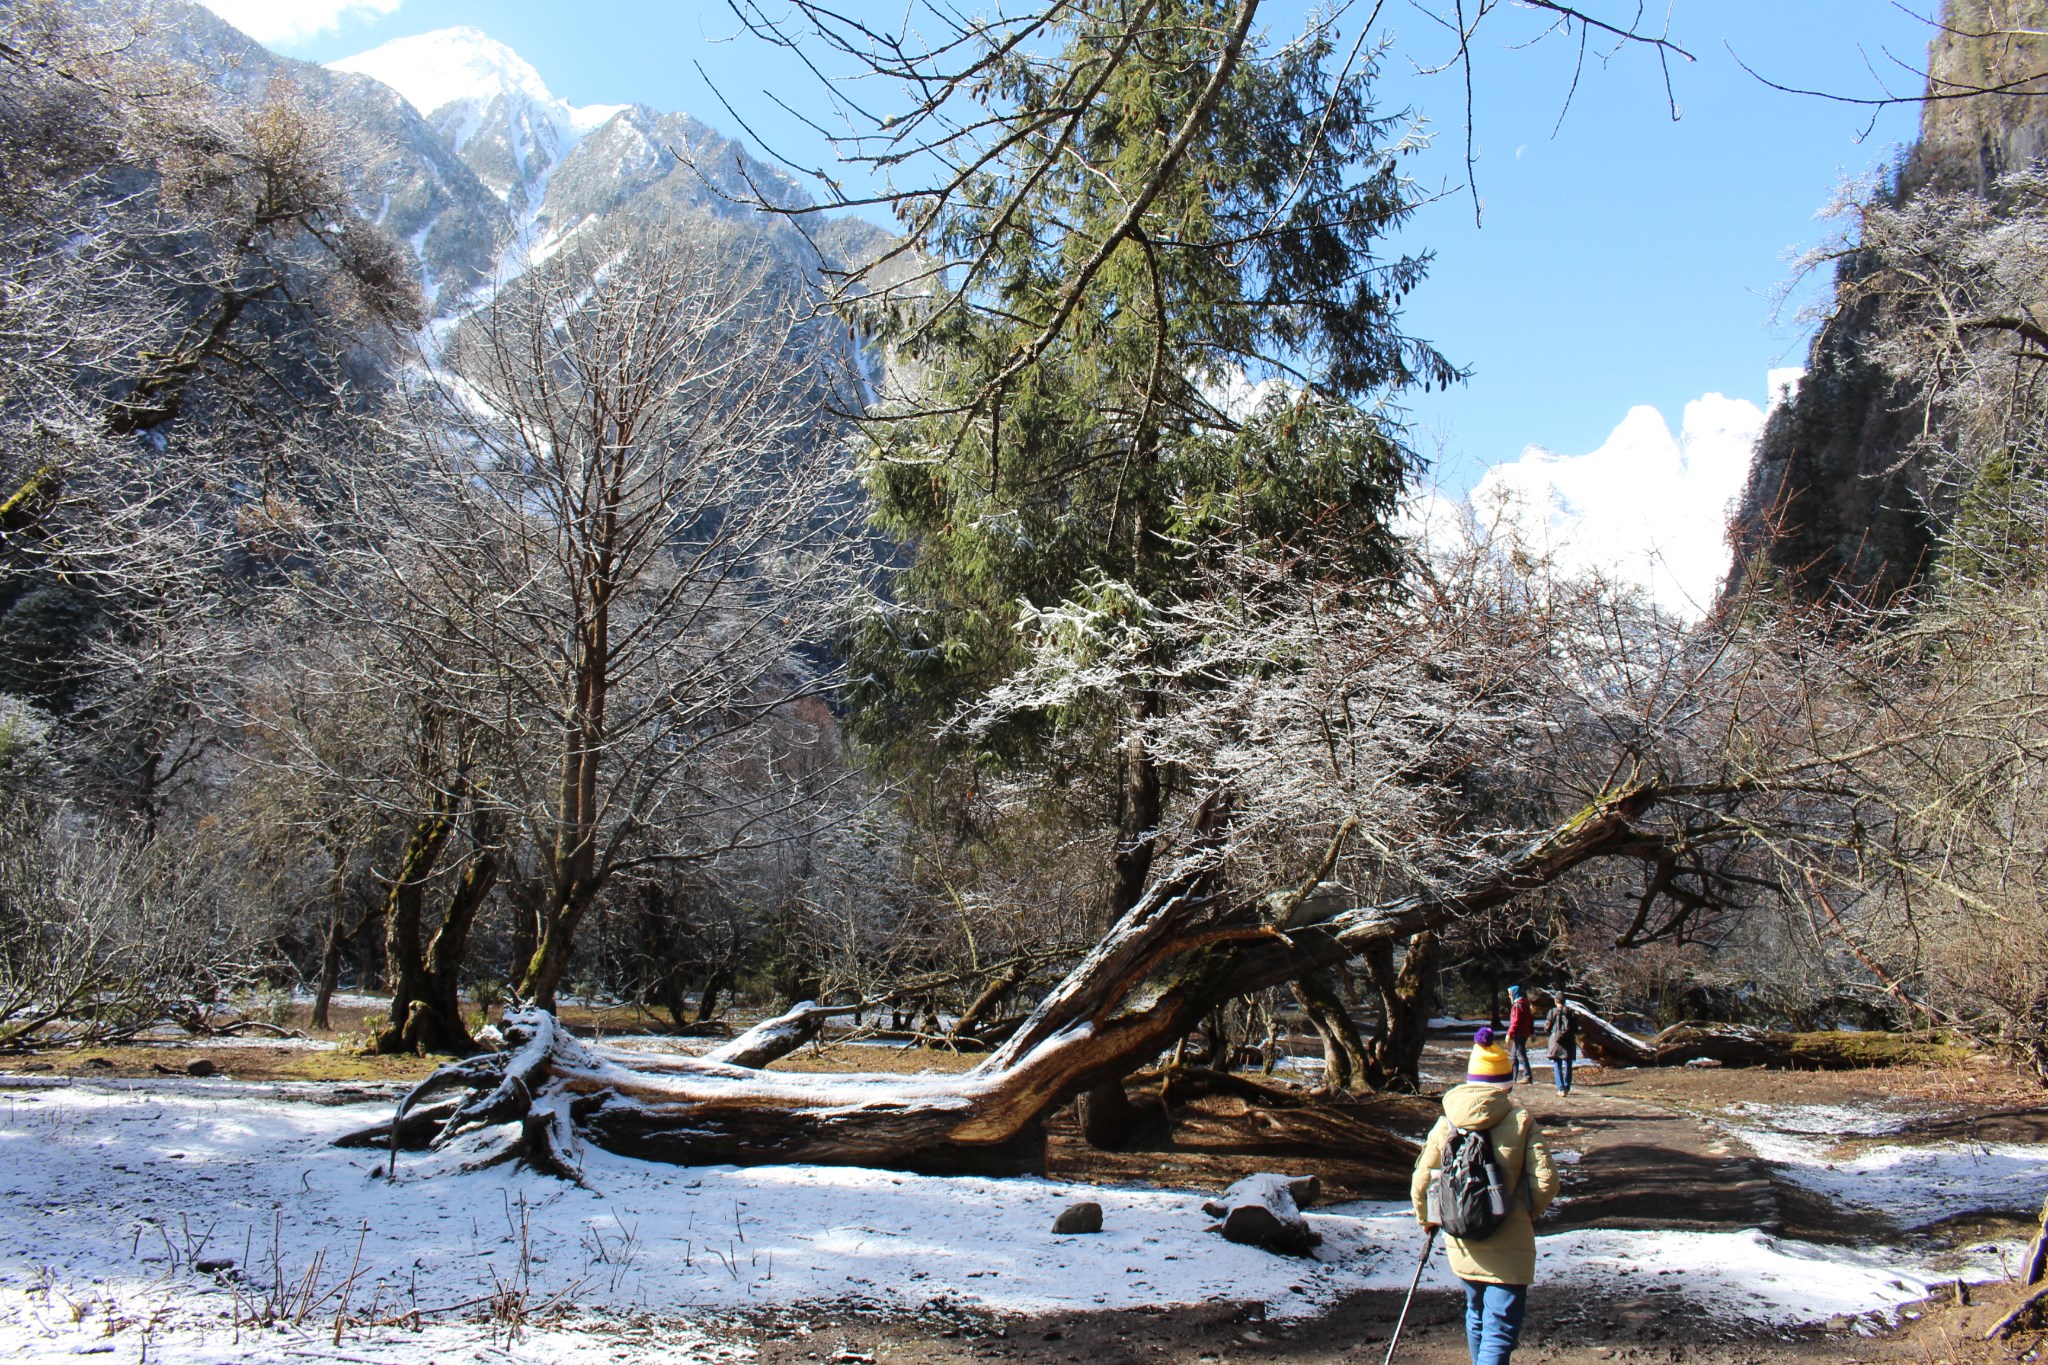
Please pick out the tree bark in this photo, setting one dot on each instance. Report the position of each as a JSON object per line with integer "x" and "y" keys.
{"x": 1407, "y": 999}
{"x": 339, "y": 936}
{"x": 336, "y": 937}
{"x": 435, "y": 1023}
{"x": 1111, "y": 1120}
{"x": 1345, "y": 1061}
{"x": 426, "y": 1010}
{"x": 708, "y": 999}
{"x": 404, "y": 963}
{"x": 1138, "y": 827}
{"x": 989, "y": 999}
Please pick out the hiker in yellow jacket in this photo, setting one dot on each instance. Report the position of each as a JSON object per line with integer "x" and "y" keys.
{"x": 1498, "y": 1270}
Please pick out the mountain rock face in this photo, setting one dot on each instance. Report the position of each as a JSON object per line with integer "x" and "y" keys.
{"x": 408, "y": 178}
{"x": 462, "y": 151}
{"x": 1834, "y": 502}
{"x": 557, "y": 170}
{"x": 489, "y": 106}
{"x": 1967, "y": 143}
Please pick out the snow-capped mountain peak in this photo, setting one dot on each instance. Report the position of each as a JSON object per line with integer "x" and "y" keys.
{"x": 434, "y": 70}
{"x": 490, "y": 104}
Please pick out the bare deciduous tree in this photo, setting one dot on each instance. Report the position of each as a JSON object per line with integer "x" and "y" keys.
{"x": 605, "y": 537}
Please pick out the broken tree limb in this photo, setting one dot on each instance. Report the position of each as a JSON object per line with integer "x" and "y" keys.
{"x": 2037, "y": 1254}
{"x": 2022, "y": 1311}
{"x": 1265, "y": 1211}
{"x": 1609, "y": 1044}
{"x": 778, "y": 1037}
{"x": 1163, "y": 966}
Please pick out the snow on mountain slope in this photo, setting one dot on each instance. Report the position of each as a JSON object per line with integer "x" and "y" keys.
{"x": 1647, "y": 508}
{"x": 492, "y": 108}
{"x": 434, "y": 70}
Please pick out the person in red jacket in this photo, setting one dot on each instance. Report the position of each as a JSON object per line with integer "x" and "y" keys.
{"x": 1521, "y": 1027}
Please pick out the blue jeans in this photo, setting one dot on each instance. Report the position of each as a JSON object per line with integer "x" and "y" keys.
{"x": 1493, "y": 1320}
{"x": 1563, "y": 1067}
{"x": 1518, "y": 1060}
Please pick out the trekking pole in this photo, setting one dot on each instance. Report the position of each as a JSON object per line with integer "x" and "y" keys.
{"x": 1428, "y": 1245}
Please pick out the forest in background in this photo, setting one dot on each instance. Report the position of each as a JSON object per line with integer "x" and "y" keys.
{"x": 1007, "y": 627}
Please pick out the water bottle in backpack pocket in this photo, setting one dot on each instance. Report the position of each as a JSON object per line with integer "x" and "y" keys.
{"x": 1471, "y": 1189}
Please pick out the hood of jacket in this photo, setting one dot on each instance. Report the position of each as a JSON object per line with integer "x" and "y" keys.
{"x": 1473, "y": 1107}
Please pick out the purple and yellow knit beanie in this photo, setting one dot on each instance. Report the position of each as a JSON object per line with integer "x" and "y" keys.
{"x": 1489, "y": 1064}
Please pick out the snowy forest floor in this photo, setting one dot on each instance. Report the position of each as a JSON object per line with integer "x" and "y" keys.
{"x": 1708, "y": 1215}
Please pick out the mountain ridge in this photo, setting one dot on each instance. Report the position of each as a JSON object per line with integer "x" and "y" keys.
{"x": 501, "y": 172}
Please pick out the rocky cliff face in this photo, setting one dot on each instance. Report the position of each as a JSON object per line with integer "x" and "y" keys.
{"x": 1969, "y": 139}
{"x": 1834, "y": 503}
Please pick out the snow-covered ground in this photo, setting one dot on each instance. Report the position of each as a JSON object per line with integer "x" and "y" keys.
{"x": 111, "y": 1191}
{"x": 1911, "y": 1185}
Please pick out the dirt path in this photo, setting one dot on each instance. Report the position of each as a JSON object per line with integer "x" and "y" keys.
{"x": 1631, "y": 1163}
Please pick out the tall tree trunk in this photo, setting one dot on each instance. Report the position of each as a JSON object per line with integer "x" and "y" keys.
{"x": 527, "y": 895}
{"x": 339, "y": 935}
{"x": 1108, "y": 1118}
{"x": 714, "y": 986}
{"x": 577, "y": 876}
{"x": 435, "y": 1022}
{"x": 405, "y": 965}
{"x": 330, "y": 973}
{"x": 560, "y": 914}
{"x": 1407, "y": 998}
{"x": 1346, "y": 1064}
{"x": 1139, "y": 810}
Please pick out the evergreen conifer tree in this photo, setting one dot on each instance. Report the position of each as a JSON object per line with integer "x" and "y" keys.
{"x": 1160, "y": 325}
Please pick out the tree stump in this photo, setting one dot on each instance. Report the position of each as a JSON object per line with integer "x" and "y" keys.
{"x": 1265, "y": 1211}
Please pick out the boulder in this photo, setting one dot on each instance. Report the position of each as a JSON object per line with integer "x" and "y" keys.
{"x": 1265, "y": 1211}
{"x": 1079, "y": 1218}
{"x": 200, "y": 1067}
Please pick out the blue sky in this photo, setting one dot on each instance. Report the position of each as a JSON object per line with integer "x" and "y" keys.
{"x": 1627, "y": 260}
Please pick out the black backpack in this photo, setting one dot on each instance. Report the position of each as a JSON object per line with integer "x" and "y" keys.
{"x": 1471, "y": 1188}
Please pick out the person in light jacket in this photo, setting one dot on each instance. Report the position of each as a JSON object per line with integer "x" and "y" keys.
{"x": 1498, "y": 1270}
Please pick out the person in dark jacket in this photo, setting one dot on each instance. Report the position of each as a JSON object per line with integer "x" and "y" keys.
{"x": 1563, "y": 1028}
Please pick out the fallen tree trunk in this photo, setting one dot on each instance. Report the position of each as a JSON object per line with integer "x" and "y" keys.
{"x": 1744, "y": 1046}
{"x": 1177, "y": 954}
